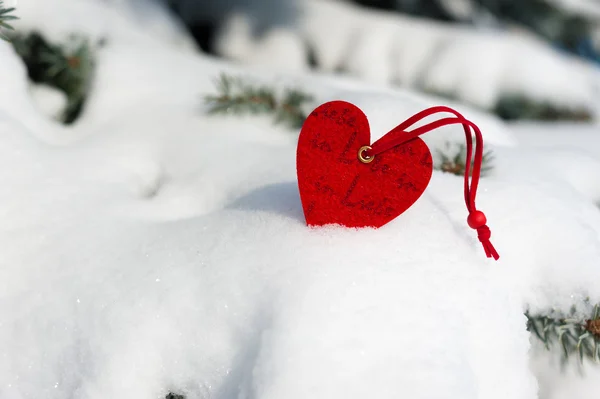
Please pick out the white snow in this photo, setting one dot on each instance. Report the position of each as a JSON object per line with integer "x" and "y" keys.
{"x": 139, "y": 22}
{"x": 476, "y": 66}
{"x": 279, "y": 48}
{"x": 565, "y": 135}
{"x": 460, "y": 9}
{"x": 587, "y": 8}
{"x": 563, "y": 381}
{"x": 571, "y": 151}
{"x": 50, "y": 101}
{"x": 151, "y": 248}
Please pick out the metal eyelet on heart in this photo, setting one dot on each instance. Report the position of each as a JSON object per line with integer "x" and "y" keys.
{"x": 362, "y": 157}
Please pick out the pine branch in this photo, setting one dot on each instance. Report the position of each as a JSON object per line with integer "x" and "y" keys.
{"x": 578, "y": 333}
{"x": 452, "y": 160}
{"x": 68, "y": 67}
{"x": 235, "y": 96}
{"x": 4, "y": 18}
{"x": 519, "y": 107}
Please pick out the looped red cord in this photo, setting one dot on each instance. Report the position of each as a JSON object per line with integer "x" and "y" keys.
{"x": 399, "y": 135}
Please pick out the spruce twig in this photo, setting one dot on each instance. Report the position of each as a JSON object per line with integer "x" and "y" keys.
{"x": 576, "y": 333}
{"x": 68, "y": 67}
{"x": 4, "y": 18}
{"x": 235, "y": 96}
{"x": 452, "y": 160}
{"x": 519, "y": 107}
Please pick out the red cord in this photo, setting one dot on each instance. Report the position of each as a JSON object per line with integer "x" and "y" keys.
{"x": 399, "y": 136}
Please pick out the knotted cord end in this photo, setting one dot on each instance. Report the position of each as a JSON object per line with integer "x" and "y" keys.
{"x": 399, "y": 135}
{"x": 477, "y": 221}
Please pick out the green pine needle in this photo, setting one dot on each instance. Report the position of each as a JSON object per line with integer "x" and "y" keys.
{"x": 519, "y": 107}
{"x": 576, "y": 334}
{"x": 235, "y": 96}
{"x": 68, "y": 67}
{"x": 4, "y": 18}
{"x": 453, "y": 159}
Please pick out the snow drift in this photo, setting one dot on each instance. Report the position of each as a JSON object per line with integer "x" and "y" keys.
{"x": 151, "y": 248}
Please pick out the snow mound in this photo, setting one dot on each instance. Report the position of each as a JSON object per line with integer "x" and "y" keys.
{"x": 239, "y": 297}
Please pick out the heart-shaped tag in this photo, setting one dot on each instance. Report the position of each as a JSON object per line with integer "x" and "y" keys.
{"x": 336, "y": 187}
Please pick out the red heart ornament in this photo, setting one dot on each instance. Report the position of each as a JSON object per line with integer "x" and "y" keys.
{"x": 336, "y": 187}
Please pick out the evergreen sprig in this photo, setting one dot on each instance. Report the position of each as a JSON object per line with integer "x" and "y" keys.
{"x": 236, "y": 96}
{"x": 453, "y": 158}
{"x": 519, "y": 107}
{"x": 4, "y": 18}
{"x": 578, "y": 333}
{"x": 68, "y": 67}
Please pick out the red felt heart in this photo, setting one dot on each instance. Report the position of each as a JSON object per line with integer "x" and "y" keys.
{"x": 337, "y": 188}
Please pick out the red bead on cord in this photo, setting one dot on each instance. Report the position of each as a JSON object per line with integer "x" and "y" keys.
{"x": 476, "y": 220}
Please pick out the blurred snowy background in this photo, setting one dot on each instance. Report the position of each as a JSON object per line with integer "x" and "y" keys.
{"x": 151, "y": 249}
{"x": 532, "y": 59}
